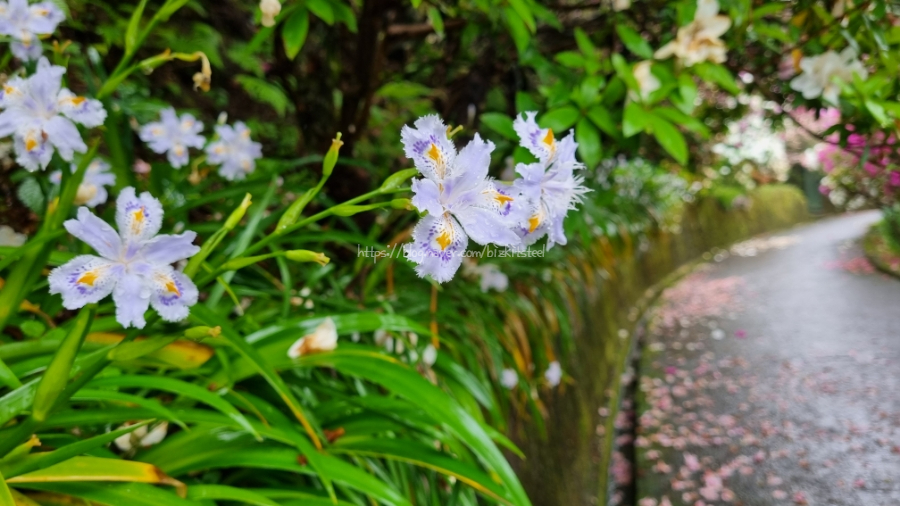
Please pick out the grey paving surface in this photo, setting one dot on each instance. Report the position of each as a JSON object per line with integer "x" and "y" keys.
{"x": 778, "y": 367}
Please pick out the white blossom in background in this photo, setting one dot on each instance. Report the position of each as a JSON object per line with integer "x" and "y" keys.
{"x": 270, "y": 9}
{"x": 9, "y": 237}
{"x": 323, "y": 338}
{"x": 699, "y": 41}
{"x": 142, "y": 437}
{"x": 810, "y": 159}
{"x": 553, "y": 374}
{"x": 25, "y": 23}
{"x": 429, "y": 355}
{"x": 234, "y": 151}
{"x": 40, "y": 115}
{"x": 509, "y": 378}
{"x": 820, "y": 74}
{"x": 492, "y": 278}
{"x": 92, "y": 190}
{"x": 135, "y": 264}
{"x": 384, "y": 339}
{"x": 840, "y": 8}
{"x": 752, "y": 140}
{"x": 173, "y": 135}
{"x": 647, "y": 82}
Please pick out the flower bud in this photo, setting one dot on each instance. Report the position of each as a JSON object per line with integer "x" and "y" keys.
{"x": 302, "y": 255}
{"x": 238, "y": 214}
{"x": 293, "y": 213}
{"x": 401, "y": 204}
{"x": 395, "y": 180}
{"x": 331, "y": 157}
{"x": 201, "y": 332}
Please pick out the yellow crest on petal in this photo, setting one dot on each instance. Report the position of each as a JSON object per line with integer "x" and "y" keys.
{"x": 444, "y": 239}
{"x": 88, "y": 278}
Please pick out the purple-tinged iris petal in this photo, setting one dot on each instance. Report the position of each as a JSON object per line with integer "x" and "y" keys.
{"x": 84, "y": 280}
{"x": 138, "y": 218}
{"x": 132, "y": 298}
{"x": 96, "y": 233}
{"x": 173, "y": 294}
{"x": 168, "y": 249}
{"x": 426, "y": 196}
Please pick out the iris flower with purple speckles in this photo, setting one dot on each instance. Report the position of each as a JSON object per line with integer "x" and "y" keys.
{"x": 24, "y": 23}
{"x": 40, "y": 115}
{"x": 549, "y": 185}
{"x": 234, "y": 150}
{"x": 460, "y": 200}
{"x": 135, "y": 264}
{"x": 173, "y": 135}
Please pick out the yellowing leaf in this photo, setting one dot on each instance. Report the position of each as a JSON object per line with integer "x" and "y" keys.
{"x": 182, "y": 354}
{"x": 100, "y": 469}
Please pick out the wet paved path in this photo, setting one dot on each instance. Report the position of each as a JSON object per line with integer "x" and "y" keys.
{"x": 771, "y": 376}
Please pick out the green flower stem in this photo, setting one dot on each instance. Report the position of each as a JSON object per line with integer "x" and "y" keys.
{"x": 54, "y": 379}
{"x": 262, "y": 243}
{"x": 241, "y": 262}
{"x": 7, "y": 377}
{"x": 132, "y": 46}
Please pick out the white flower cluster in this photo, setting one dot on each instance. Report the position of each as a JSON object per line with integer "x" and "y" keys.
{"x": 752, "y": 140}
{"x": 234, "y": 151}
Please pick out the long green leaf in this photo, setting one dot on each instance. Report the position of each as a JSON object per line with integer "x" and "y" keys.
{"x": 207, "y": 317}
{"x": 97, "y": 469}
{"x": 114, "y": 494}
{"x": 299, "y": 496}
{"x": 131, "y": 34}
{"x": 286, "y": 459}
{"x": 421, "y": 455}
{"x": 405, "y": 382}
{"x": 7, "y": 377}
{"x": 6, "y": 498}
{"x": 54, "y": 380}
{"x": 36, "y": 461}
{"x": 224, "y": 492}
{"x": 90, "y": 394}
{"x": 177, "y": 387}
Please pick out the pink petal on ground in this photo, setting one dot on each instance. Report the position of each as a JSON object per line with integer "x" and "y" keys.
{"x": 779, "y": 494}
{"x": 774, "y": 481}
{"x": 692, "y": 462}
{"x": 709, "y": 494}
{"x": 800, "y": 498}
{"x": 859, "y": 483}
{"x": 647, "y": 501}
